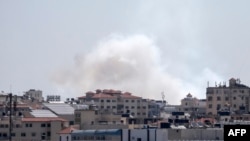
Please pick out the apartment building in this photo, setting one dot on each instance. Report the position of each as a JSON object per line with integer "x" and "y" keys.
{"x": 32, "y": 129}
{"x": 193, "y": 105}
{"x": 34, "y": 95}
{"x": 91, "y": 118}
{"x": 233, "y": 98}
{"x": 116, "y": 102}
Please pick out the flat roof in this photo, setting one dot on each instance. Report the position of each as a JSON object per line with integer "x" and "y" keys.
{"x": 97, "y": 132}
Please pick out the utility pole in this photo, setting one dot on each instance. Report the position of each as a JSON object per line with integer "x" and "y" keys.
{"x": 10, "y": 126}
{"x": 9, "y": 108}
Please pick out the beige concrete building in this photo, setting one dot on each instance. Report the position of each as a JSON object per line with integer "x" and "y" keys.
{"x": 116, "y": 102}
{"x": 32, "y": 129}
{"x": 193, "y": 105}
{"x": 234, "y": 98}
{"x": 93, "y": 119}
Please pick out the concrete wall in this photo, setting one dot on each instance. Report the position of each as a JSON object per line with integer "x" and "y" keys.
{"x": 200, "y": 134}
{"x": 55, "y": 128}
{"x": 145, "y": 134}
{"x": 172, "y": 134}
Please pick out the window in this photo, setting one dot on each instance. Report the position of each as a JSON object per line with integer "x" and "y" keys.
{"x": 210, "y": 98}
{"x": 70, "y": 123}
{"x": 13, "y": 134}
{"x": 126, "y": 100}
{"x": 33, "y": 134}
{"x": 43, "y": 136}
{"x": 132, "y": 107}
{"x": 4, "y": 134}
{"x": 23, "y": 134}
{"x": 113, "y": 107}
{"x": 43, "y": 125}
{"x": 108, "y": 100}
{"x": 226, "y": 98}
{"x": 132, "y": 101}
{"x": 210, "y": 106}
{"x": 218, "y": 98}
{"x": 48, "y": 134}
{"x": 102, "y": 100}
{"x": 113, "y": 100}
{"x": 218, "y": 107}
{"x": 234, "y": 98}
{"x": 28, "y": 125}
{"x": 78, "y": 115}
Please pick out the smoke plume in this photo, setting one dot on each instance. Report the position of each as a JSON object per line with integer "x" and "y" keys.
{"x": 132, "y": 64}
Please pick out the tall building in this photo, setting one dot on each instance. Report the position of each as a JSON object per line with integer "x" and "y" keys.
{"x": 233, "y": 98}
{"x": 34, "y": 94}
{"x": 114, "y": 101}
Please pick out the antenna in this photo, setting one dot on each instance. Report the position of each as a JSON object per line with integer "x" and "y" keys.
{"x": 163, "y": 97}
{"x": 207, "y": 83}
{"x": 10, "y": 88}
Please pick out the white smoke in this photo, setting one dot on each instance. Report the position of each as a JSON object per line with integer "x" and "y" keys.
{"x": 132, "y": 64}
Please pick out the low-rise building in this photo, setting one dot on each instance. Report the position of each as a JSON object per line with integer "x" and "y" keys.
{"x": 194, "y": 106}
{"x": 32, "y": 129}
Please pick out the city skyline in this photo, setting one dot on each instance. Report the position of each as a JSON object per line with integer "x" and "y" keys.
{"x": 143, "y": 47}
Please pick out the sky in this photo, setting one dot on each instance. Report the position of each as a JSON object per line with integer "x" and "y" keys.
{"x": 148, "y": 48}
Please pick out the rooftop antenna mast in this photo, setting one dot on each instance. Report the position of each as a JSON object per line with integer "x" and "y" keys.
{"x": 10, "y": 88}
{"x": 163, "y": 97}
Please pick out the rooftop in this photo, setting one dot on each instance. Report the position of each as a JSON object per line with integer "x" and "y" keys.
{"x": 42, "y": 119}
{"x": 67, "y": 130}
{"x": 60, "y": 108}
{"x": 42, "y": 113}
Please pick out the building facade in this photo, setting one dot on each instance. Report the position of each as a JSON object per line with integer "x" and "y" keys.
{"x": 195, "y": 107}
{"x": 116, "y": 102}
{"x": 34, "y": 94}
{"x": 233, "y": 98}
{"x": 32, "y": 129}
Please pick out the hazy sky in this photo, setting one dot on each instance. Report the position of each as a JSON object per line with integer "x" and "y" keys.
{"x": 144, "y": 47}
